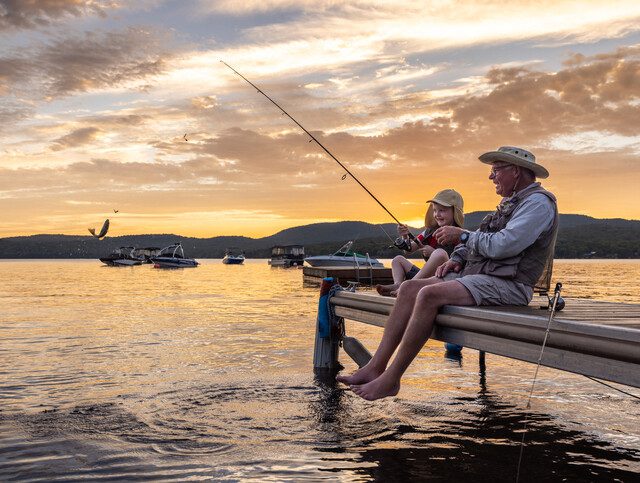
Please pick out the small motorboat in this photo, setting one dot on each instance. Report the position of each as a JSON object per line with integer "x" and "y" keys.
{"x": 122, "y": 257}
{"x": 344, "y": 257}
{"x": 231, "y": 259}
{"x": 173, "y": 257}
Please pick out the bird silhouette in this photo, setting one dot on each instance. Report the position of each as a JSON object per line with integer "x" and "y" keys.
{"x": 115, "y": 211}
{"x": 185, "y": 137}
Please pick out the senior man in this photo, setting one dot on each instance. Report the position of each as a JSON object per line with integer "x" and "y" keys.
{"x": 499, "y": 264}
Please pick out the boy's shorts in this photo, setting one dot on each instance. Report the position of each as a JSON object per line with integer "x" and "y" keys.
{"x": 412, "y": 272}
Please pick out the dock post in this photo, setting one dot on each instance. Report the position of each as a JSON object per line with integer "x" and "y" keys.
{"x": 481, "y": 361}
{"x": 325, "y": 354}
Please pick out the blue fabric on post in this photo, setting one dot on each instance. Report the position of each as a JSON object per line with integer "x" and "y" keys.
{"x": 324, "y": 320}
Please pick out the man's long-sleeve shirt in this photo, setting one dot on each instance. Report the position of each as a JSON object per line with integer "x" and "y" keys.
{"x": 529, "y": 220}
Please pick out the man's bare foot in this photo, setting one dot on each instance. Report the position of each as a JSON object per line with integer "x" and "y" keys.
{"x": 382, "y": 386}
{"x": 393, "y": 293}
{"x": 386, "y": 290}
{"x": 361, "y": 376}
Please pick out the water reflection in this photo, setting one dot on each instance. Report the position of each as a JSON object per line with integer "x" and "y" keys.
{"x": 417, "y": 441}
{"x": 206, "y": 374}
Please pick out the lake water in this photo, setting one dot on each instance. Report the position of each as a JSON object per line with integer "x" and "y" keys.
{"x": 145, "y": 374}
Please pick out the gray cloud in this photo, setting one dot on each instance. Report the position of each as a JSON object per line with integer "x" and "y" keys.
{"x": 31, "y": 14}
{"x": 80, "y": 63}
{"x": 77, "y": 138}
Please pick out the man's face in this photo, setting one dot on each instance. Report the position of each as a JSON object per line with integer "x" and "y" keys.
{"x": 503, "y": 176}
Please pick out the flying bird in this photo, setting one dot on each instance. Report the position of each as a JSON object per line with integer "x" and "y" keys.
{"x": 103, "y": 232}
{"x": 115, "y": 211}
{"x": 185, "y": 137}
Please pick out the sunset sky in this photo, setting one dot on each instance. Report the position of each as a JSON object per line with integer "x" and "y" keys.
{"x": 95, "y": 97}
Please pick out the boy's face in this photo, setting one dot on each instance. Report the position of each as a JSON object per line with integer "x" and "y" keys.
{"x": 443, "y": 214}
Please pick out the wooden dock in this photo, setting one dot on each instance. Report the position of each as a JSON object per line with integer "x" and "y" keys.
{"x": 593, "y": 338}
{"x": 343, "y": 275}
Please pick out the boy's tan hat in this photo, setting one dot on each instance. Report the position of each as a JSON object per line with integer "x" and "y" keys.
{"x": 518, "y": 156}
{"x": 446, "y": 197}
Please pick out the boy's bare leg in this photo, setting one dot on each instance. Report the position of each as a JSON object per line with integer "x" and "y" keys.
{"x": 428, "y": 300}
{"x": 393, "y": 332}
{"x": 399, "y": 268}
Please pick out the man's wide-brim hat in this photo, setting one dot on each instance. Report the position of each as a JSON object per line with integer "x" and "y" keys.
{"x": 447, "y": 197}
{"x": 518, "y": 156}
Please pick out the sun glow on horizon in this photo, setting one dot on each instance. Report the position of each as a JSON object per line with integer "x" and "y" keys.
{"x": 406, "y": 95}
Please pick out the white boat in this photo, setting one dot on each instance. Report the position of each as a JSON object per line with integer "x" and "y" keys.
{"x": 231, "y": 259}
{"x": 344, "y": 257}
{"x": 173, "y": 257}
{"x": 122, "y": 257}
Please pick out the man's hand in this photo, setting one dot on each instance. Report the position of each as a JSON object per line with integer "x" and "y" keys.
{"x": 446, "y": 267}
{"x": 448, "y": 235}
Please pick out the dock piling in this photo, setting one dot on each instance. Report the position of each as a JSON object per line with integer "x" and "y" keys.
{"x": 325, "y": 354}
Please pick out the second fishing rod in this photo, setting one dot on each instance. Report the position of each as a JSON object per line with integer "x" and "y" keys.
{"x": 260, "y": 91}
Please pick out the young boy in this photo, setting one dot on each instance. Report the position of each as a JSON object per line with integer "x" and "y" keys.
{"x": 445, "y": 208}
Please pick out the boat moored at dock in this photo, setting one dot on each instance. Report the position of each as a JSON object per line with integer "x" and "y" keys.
{"x": 344, "y": 257}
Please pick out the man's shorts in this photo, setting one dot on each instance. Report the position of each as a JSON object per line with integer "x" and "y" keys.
{"x": 488, "y": 290}
{"x": 412, "y": 272}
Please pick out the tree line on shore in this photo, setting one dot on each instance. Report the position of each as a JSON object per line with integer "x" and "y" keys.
{"x": 579, "y": 236}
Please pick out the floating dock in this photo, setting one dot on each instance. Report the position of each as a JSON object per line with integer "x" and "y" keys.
{"x": 592, "y": 338}
{"x": 363, "y": 275}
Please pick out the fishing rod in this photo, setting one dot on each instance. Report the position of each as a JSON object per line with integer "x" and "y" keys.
{"x": 260, "y": 91}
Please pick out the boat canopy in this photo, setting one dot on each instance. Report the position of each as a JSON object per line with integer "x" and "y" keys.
{"x": 287, "y": 250}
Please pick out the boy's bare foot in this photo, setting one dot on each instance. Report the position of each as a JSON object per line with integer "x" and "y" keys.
{"x": 361, "y": 376}
{"x": 386, "y": 290}
{"x": 381, "y": 387}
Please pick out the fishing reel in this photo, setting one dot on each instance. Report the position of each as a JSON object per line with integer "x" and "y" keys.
{"x": 560, "y": 304}
{"x": 402, "y": 244}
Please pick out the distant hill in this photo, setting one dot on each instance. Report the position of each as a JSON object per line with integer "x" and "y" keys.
{"x": 579, "y": 236}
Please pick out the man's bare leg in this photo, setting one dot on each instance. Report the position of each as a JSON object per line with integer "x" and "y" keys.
{"x": 437, "y": 258}
{"x": 393, "y": 332}
{"x": 428, "y": 300}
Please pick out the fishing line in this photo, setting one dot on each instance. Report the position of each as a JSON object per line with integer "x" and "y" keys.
{"x": 612, "y": 387}
{"x": 556, "y": 296}
{"x": 313, "y": 138}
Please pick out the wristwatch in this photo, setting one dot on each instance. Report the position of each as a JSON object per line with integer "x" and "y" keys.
{"x": 464, "y": 237}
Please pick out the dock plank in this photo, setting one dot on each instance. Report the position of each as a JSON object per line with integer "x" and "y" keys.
{"x": 343, "y": 275}
{"x": 595, "y": 338}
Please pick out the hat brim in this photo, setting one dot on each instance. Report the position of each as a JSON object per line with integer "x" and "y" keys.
{"x": 493, "y": 156}
{"x": 443, "y": 203}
